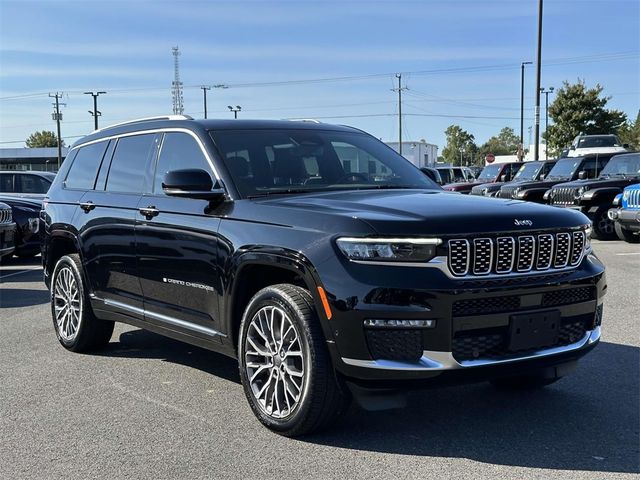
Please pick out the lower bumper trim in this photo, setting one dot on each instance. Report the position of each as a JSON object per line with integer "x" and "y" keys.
{"x": 439, "y": 361}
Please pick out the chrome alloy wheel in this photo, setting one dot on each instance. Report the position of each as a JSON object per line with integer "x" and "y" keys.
{"x": 67, "y": 304}
{"x": 274, "y": 362}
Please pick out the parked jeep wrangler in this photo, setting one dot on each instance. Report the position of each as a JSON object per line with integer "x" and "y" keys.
{"x": 528, "y": 172}
{"x": 496, "y": 172}
{"x": 594, "y": 197}
{"x": 322, "y": 260}
{"x": 626, "y": 214}
{"x": 565, "y": 170}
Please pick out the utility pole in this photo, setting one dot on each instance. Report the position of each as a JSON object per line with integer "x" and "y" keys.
{"x": 235, "y": 110}
{"x": 522, "y": 109}
{"x": 536, "y": 153}
{"x": 399, "y": 90}
{"x": 204, "y": 93}
{"x": 57, "y": 116}
{"x": 546, "y": 118}
{"x": 96, "y": 113}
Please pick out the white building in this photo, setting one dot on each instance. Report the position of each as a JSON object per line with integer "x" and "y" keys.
{"x": 420, "y": 153}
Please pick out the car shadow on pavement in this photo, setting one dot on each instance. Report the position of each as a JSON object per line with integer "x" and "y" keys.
{"x": 145, "y": 344}
{"x": 22, "y": 297}
{"x": 587, "y": 421}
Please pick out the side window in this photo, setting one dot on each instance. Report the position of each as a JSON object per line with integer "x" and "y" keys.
{"x": 546, "y": 168}
{"x": 131, "y": 159}
{"x": 179, "y": 151}
{"x": 33, "y": 184}
{"x": 82, "y": 174}
{"x": 512, "y": 170}
{"x": 6, "y": 182}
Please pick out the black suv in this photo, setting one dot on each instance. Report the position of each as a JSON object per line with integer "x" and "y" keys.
{"x": 565, "y": 170}
{"x": 594, "y": 197}
{"x": 322, "y": 260}
{"x": 25, "y": 183}
{"x": 528, "y": 172}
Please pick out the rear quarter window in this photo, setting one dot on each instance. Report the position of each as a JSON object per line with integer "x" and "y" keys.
{"x": 82, "y": 174}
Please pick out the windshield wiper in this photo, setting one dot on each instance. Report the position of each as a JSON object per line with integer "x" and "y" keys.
{"x": 290, "y": 191}
{"x": 388, "y": 187}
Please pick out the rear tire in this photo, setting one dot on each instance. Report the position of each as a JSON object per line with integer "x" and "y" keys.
{"x": 603, "y": 226}
{"x": 76, "y": 326}
{"x": 626, "y": 235}
{"x": 285, "y": 366}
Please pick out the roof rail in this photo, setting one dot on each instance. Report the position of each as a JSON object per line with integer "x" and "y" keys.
{"x": 147, "y": 119}
{"x": 309, "y": 120}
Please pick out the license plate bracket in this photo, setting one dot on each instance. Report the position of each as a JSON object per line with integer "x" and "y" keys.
{"x": 534, "y": 330}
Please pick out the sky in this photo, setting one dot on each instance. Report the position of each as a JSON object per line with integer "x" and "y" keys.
{"x": 333, "y": 61}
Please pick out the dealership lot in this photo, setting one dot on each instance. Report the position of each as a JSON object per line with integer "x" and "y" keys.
{"x": 151, "y": 407}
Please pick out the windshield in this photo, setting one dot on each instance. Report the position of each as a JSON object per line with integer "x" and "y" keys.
{"x": 528, "y": 171}
{"x": 595, "y": 141}
{"x": 279, "y": 161}
{"x": 489, "y": 173}
{"x": 445, "y": 173}
{"x": 564, "y": 169}
{"x": 622, "y": 166}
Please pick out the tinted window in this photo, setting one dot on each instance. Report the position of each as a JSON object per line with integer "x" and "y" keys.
{"x": 280, "y": 161}
{"x": 82, "y": 174}
{"x": 6, "y": 182}
{"x": 128, "y": 171}
{"x": 179, "y": 151}
{"x": 489, "y": 173}
{"x": 622, "y": 165}
{"x": 33, "y": 184}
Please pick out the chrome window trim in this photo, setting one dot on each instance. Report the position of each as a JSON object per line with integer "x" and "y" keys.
{"x": 440, "y": 361}
{"x": 164, "y": 318}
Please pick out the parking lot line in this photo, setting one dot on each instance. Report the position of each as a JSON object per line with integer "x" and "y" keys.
{"x": 2, "y": 277}
{"x": 630, "y": 253}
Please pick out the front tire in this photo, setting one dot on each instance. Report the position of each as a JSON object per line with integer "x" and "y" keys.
{"x": 76, "y": 326}
{"x": 603, "y": 226}
{"x": 626, "y": 235}
{"x": 285, "y": 367}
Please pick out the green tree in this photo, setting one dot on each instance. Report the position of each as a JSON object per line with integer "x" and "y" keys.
{"x": 630, "y": 133}
{"x": 578, "y": 110}
{"x": 460, "y": 146}
{"x": 505, "y": 143}
{"x": 42, "y": 139}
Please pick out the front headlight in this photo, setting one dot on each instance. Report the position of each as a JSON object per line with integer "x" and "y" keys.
{"x": 517, "y": 193}
{"x": 587, "y": 239}
{"x": 484, "y": 191}
{"x": 411, "y": 250}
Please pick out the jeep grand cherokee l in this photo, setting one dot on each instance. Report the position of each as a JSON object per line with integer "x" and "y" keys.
{"x": 322, "y": 260}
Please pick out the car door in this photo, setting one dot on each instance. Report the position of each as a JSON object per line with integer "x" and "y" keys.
{"x": 177, "y": 246}
{"x": 107, "y": 221}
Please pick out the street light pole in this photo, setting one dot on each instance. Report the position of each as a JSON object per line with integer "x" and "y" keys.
{"x": 95, "y": 113}
{"x": 204, "y": 93}
{"x": 546, "y": 118}
{"x": 536, "y": 139}
{"x": 235, "y": 110}
{"x": 522, "y": 106}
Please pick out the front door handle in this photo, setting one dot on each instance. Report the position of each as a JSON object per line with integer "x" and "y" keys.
{"x": 87, "y": 206}
{"x": 149, "y": 212}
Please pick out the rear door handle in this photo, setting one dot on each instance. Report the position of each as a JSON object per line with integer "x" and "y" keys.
{"x": 87, "y": 206}
{"x": 149, "y": 212}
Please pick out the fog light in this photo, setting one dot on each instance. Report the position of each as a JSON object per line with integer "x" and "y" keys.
{"x": 393, "y": 323}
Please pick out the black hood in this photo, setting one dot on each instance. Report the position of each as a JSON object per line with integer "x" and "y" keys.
{"x": 601, "y": 182}
{"x": 422, "y": 212}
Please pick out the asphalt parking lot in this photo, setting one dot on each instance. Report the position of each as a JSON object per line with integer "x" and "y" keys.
{"x": 150, "y": 407}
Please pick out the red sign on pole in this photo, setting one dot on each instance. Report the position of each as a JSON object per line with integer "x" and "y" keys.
{"x": 490, "y": 158}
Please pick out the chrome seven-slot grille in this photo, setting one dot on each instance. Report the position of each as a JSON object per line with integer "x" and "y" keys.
{"x": 506, "y": 191}
{"x": 634, "y": 198}
{"x": 5, "y": 215}
{"x": 563, "y": 195}
{"x": 519, "y": 254}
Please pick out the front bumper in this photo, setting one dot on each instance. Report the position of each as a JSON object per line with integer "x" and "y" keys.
{"x": 629, "y": 219}
{"x": 442, "y": 361}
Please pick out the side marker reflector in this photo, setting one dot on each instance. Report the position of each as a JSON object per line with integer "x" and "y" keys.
{"x": 325, "y": 303}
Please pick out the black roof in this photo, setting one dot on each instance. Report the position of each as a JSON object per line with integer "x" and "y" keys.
{"x": 200, "y": 125}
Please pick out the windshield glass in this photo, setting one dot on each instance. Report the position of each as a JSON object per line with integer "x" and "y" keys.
{"x": 445, "y": 173}
{"x": 564, "y": 169}
{"x": 596, "y": 141}
{"x": 489, "y": 173}
{"x": 280, "y": 161}
{"x": 528, "y": 171}
{"x": 622, "y": 165}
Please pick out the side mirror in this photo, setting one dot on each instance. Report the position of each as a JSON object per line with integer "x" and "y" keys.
{"x": 191, "y": 183}
{"x": 583, "y": 175}
{"x": 572, "y": 147}
{"x": 503, "y": 178}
